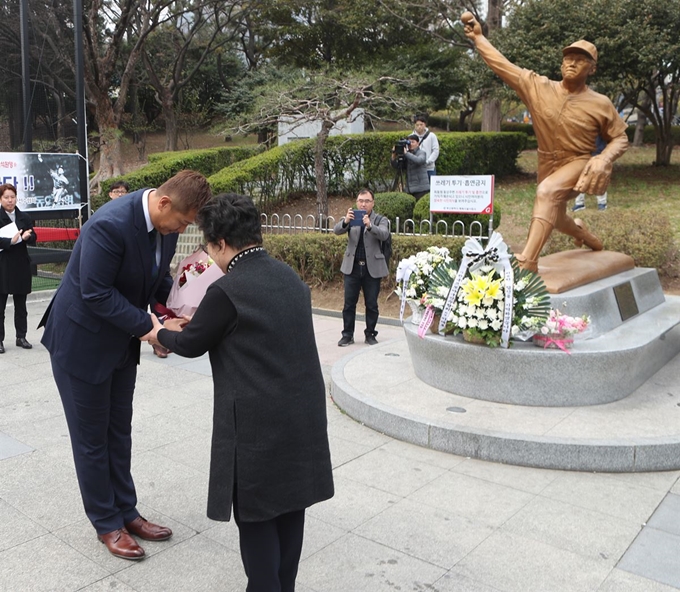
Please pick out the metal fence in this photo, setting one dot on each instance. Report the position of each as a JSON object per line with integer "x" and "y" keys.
{"x": 297, "y": 224}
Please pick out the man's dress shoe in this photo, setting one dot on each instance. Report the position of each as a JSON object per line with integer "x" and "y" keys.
{"x": 121, "y": 544}
{"x": 148, "y": 531}
{"x": 21, "y": 342}
{"x": 2, "y": 348}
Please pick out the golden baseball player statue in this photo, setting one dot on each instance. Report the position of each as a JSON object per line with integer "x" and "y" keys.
{"x": 567, "y": 118}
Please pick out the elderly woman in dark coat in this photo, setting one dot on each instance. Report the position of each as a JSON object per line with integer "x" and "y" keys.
{"x": 270, "y": 457}
{"x": 15, "y": 265}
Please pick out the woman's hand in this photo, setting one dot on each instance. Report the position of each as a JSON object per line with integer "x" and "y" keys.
{"x": 176, "y": 324}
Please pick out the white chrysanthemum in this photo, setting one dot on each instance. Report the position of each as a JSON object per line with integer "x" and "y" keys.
{"x": 462, "y": 322}
{"x": 496, "y": 325}
{"x": 472, "y": 322}
{"x": 483, "y": 324}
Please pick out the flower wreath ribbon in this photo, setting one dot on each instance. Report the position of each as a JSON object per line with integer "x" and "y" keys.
{"x": 476, "y": 256}
{"x": 404, "y": 271}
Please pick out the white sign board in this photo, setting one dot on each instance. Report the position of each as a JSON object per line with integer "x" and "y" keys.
{"x": 43, "y": 181}
{"x": 301, "y": 129}
{"x": 461, "y": 194}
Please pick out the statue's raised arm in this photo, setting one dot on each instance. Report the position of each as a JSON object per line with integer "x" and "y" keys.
{"x": 567, "y": 118}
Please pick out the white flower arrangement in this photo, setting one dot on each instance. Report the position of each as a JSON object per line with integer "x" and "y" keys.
{"x": 422, "y": 265}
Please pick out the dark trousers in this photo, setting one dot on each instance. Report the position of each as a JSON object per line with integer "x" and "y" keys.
{"x": 99, "y": 418}
{"x": 20, "y": 315}
{"x": 355, "y": 282}
{"x": 270, "y": 550}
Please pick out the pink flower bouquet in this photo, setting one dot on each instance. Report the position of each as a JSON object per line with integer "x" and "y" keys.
{"x": 559, "y": 330}
{"x": 195, "y": 275}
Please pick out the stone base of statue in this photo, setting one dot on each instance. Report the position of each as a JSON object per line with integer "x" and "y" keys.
{"x": 594, "y": 408}
{"x": 630, "y": 339}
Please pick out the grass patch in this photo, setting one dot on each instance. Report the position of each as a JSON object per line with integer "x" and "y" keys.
{"x": 635, "y": 184}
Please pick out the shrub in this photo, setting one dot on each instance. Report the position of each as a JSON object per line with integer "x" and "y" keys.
{"x": 395, "y": 205}
{"x": 645, "y": 234}
{"x": 164, "y": 165}
{"x": 361, "y": 160}
{"x": 317, "y": 257}
{"x": 422, "y": 212}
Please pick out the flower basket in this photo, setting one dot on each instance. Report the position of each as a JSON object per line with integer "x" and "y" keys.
{"x": 471, "y": 337}
{"x": 553, "y": 341}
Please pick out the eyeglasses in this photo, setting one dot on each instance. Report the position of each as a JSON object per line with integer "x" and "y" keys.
{"x": 118, "y": 192}
{"x": 364, "y": 200}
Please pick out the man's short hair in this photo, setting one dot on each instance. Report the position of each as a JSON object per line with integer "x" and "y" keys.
{"x": 420, "y": 117}
{"x": 366, "y": 190}
{"x": 188, "y": 190}
{"x": 119, "y": 185}
{"x": 414, "y": 137}
{"x": 230, "y": 217}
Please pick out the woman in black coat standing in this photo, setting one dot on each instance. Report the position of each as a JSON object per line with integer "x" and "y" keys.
{"x": 15, "y": 265}
{"x": 270, "y": 458}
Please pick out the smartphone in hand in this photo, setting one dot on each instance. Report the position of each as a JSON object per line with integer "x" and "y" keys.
{"x": 358, "y": 218}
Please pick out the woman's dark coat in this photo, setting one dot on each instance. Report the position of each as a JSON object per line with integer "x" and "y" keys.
{"x": 270, "y": 435}
{"x": 15, "y": 264}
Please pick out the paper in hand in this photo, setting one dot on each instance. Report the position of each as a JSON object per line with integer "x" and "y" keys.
{"x": 8, "y": 231}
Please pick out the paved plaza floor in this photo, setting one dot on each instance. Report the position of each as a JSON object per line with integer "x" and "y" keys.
{"x": 403, "y": 518}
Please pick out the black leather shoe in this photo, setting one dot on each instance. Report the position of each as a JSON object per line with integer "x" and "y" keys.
{"x": 2, "y": 348}
{"x": 345, "y": 341}
{"x": 21, "y": 342}
{"x": 371, "y": 340}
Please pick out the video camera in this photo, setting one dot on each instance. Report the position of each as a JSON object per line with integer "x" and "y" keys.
{"x": 401, "y": 147}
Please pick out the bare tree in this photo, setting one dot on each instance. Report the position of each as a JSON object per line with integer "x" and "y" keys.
{"x": 203, "y": 30}
{"x": 327, "y": 99}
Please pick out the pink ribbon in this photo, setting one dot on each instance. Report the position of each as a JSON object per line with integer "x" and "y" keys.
{"x": 558, "y": 342}
{"x": 426, "y": 321}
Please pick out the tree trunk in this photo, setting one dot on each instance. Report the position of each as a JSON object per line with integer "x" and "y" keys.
{"x": 110, "y": 143}
{"x": 664, "y": 146}
{"x": 171, "y": 130}
{"x": 491, "y": 108}
{"x": 639, "y": 137}
{"x": 319, "y": 171}
{"x": 491, "y": 115}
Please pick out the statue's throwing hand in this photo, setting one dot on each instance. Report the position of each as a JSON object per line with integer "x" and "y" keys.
{"x": 595, "y": 177}
{"x": 471, "y": 27}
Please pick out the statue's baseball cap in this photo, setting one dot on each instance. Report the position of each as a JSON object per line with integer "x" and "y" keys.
{"x": 582, "y": 46}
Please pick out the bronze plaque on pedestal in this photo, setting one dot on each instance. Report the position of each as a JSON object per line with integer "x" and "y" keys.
{"x": 625, "y": 298}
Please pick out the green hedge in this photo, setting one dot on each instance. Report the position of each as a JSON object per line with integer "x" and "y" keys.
{"x": 317, "y": 257}
{"x": 164, "y": 165}
{"x": 395, "y": 205}
{"x": 649, "y": 136}
{"x": 361, "y": 160}
{"x": 644, "y": 233}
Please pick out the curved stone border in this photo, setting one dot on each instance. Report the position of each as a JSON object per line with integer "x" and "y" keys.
{"x": 612, "y": 455}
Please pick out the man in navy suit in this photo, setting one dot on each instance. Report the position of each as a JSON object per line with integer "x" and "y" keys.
{"x": 118, "y": 267}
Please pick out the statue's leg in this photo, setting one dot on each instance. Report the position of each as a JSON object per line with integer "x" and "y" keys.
{"x": 578, "y": 229}
{"x": 552, "y": 194}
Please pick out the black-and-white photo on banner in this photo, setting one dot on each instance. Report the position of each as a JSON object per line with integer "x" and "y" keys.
{"x": 43, "y": 181}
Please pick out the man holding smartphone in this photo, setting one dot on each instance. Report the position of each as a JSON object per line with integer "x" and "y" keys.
{"x": 363, "y": 265}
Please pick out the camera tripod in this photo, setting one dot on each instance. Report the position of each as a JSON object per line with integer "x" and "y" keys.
{"x": 398, "y": 183}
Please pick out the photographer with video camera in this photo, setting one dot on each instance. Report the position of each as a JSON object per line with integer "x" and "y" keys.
{"x": 408, "y": 152}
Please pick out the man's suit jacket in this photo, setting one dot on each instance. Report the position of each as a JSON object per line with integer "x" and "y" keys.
{"x": 99, "y": 310}
{"x": 375, "y": 260}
